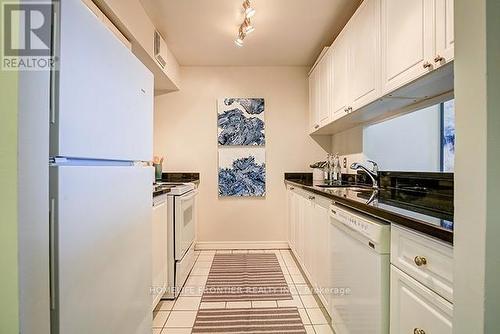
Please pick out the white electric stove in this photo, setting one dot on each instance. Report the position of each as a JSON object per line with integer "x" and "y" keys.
{"x": 181, "y": 227}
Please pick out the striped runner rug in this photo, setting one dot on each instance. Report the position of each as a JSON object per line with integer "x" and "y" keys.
{"x": 283, "y": 320}
{"x": 245, "y": 277}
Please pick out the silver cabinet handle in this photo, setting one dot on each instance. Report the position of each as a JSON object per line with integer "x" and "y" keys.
{"x": 312, "y": 197}
{"x": 350, "y": 109}
{"x": 438, "y": 59}
{"x": 292, "y": 188}
{"x": 418, "y": 331}
{"x": 316, "y": 126}
{"x": 420, "y": 261}
{"x": 427, "y": 65}
{"x": 346, "y": 110}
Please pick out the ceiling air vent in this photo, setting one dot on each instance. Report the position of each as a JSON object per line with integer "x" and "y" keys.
{"x": 160, "y": 50}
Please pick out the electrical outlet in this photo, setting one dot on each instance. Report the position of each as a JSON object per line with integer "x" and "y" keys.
{"x": 345, "y": 162}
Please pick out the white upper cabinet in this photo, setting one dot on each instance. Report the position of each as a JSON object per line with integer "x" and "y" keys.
{"x": 320, "y": 88}
{"x": 314, "y": 102}
{"x": 364, "y": 54}
{"x": 381, "y": 52}
{"x": 326, "y": 89}
{"x": 445, "y": 35}
{"x": 407, "y": 41}
{"x": 340, "y": 69}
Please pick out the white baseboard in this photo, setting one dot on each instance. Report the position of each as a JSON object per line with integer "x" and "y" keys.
{"x": 209, "y": 245}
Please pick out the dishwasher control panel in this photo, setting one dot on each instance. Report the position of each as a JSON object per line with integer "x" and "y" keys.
{"x": 371, "y": 228}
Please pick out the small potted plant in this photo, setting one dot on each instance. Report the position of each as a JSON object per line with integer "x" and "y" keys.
{"x": 158, "y": 165}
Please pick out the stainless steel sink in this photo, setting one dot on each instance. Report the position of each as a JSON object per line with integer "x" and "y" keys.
{"x": 345, "y": 186}
{"x": 333, "y": 185}
{"x": 360, "y": 189}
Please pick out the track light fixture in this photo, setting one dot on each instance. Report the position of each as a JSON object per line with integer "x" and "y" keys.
{"x": 246, "y": 27}
{"x": 249, "y": 11}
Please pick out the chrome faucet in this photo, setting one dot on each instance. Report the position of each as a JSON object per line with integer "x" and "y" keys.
{"x": 373, "y": 174}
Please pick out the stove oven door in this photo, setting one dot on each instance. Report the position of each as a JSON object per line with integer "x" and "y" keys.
{"x": 185, "y": 222}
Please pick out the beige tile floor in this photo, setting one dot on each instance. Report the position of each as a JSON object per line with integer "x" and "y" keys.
{"x": 177, "y": 317}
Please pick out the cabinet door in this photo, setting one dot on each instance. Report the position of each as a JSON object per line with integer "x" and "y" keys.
{"x": 445, "y": 36}
{"x": 326, "y": 89}
{"x": 407, "y": 41}
{"x": 436, "y": 273}
{"x": 321, "y": 256}
{"x": 415, "y": 307}
{"x": 308, "y": 235}
{"x": 295, "y": 221}
{"x": 312, "y": 101}
{"x": 364, "y": 54}
{"x": 288, "y": 216}
{"x": 159, "y": 243}
{"x": 315, "y": 98}
{"x": 340, "y": 62}
{"x": 299, "y": 241}
{"x": 291, "y": 217}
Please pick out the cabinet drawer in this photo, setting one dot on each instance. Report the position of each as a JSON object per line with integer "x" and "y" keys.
{"x": 415, "y": 307}
{"x": 427, "y": 260}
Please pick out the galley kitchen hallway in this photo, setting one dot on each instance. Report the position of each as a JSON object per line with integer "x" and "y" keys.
{"x": 240, "y": 291}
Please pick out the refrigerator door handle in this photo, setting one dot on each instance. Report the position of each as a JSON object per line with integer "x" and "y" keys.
{"x": 52, "y": 254}
{"x": 53, "y": 72}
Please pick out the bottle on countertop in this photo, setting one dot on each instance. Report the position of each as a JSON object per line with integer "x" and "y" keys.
{"x": 328, "y": 168}
{"x": 336, "y": 170}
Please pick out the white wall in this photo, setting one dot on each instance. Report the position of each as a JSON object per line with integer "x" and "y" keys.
{"x": 186, "y": 133}
{"x": 407, "y": 143}
{"x": 477, "y": 162}
{"x": 132, "y": 19}
{"x": 349, "y": 145}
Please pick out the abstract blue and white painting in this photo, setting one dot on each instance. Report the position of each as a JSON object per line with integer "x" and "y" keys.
{"x": 242, "y": 172}
{"x": 240, "y": 122}
{"x": 448, "y": 140}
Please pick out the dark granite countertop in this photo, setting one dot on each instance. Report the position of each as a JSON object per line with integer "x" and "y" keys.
{"x": 425, "y": 210}
{"x": 178, "y": 177}
{"x": 182, "y": 177}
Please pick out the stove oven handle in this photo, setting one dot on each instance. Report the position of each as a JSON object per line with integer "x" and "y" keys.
{"x": 189, "y": 195}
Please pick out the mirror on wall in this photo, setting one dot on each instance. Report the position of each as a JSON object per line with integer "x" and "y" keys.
{"x": 421, "y": 141}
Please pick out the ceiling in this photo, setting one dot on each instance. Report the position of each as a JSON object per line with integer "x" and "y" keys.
{"x": 287, "y": 32}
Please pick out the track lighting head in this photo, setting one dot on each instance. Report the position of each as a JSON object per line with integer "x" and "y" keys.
{"x": 239, "y": 42}
{"x": 249, "y": 11}
{"x": 246, "y": 27}
{"x": 241, "y": 37}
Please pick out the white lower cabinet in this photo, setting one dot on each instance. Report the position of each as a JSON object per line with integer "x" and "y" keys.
{"x": 421, "y": 283}
{"x": 159, "y": 248}
{"x": 291, "y": 216}
{"x": 417, "y": 309}
{"x": 320, "y": 245}
{"x": 426, "y": 260}
{"x": 308, "y": 222}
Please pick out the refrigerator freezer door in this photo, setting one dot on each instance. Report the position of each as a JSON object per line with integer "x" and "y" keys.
{"x": 102, "y": 249}
{"x": 103, "y": 93}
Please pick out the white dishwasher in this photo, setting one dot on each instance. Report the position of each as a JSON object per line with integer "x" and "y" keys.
{"x": 359, "y": 272}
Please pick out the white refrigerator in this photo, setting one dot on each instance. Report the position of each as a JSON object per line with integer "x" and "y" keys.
{"x": 100, "y": 191}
